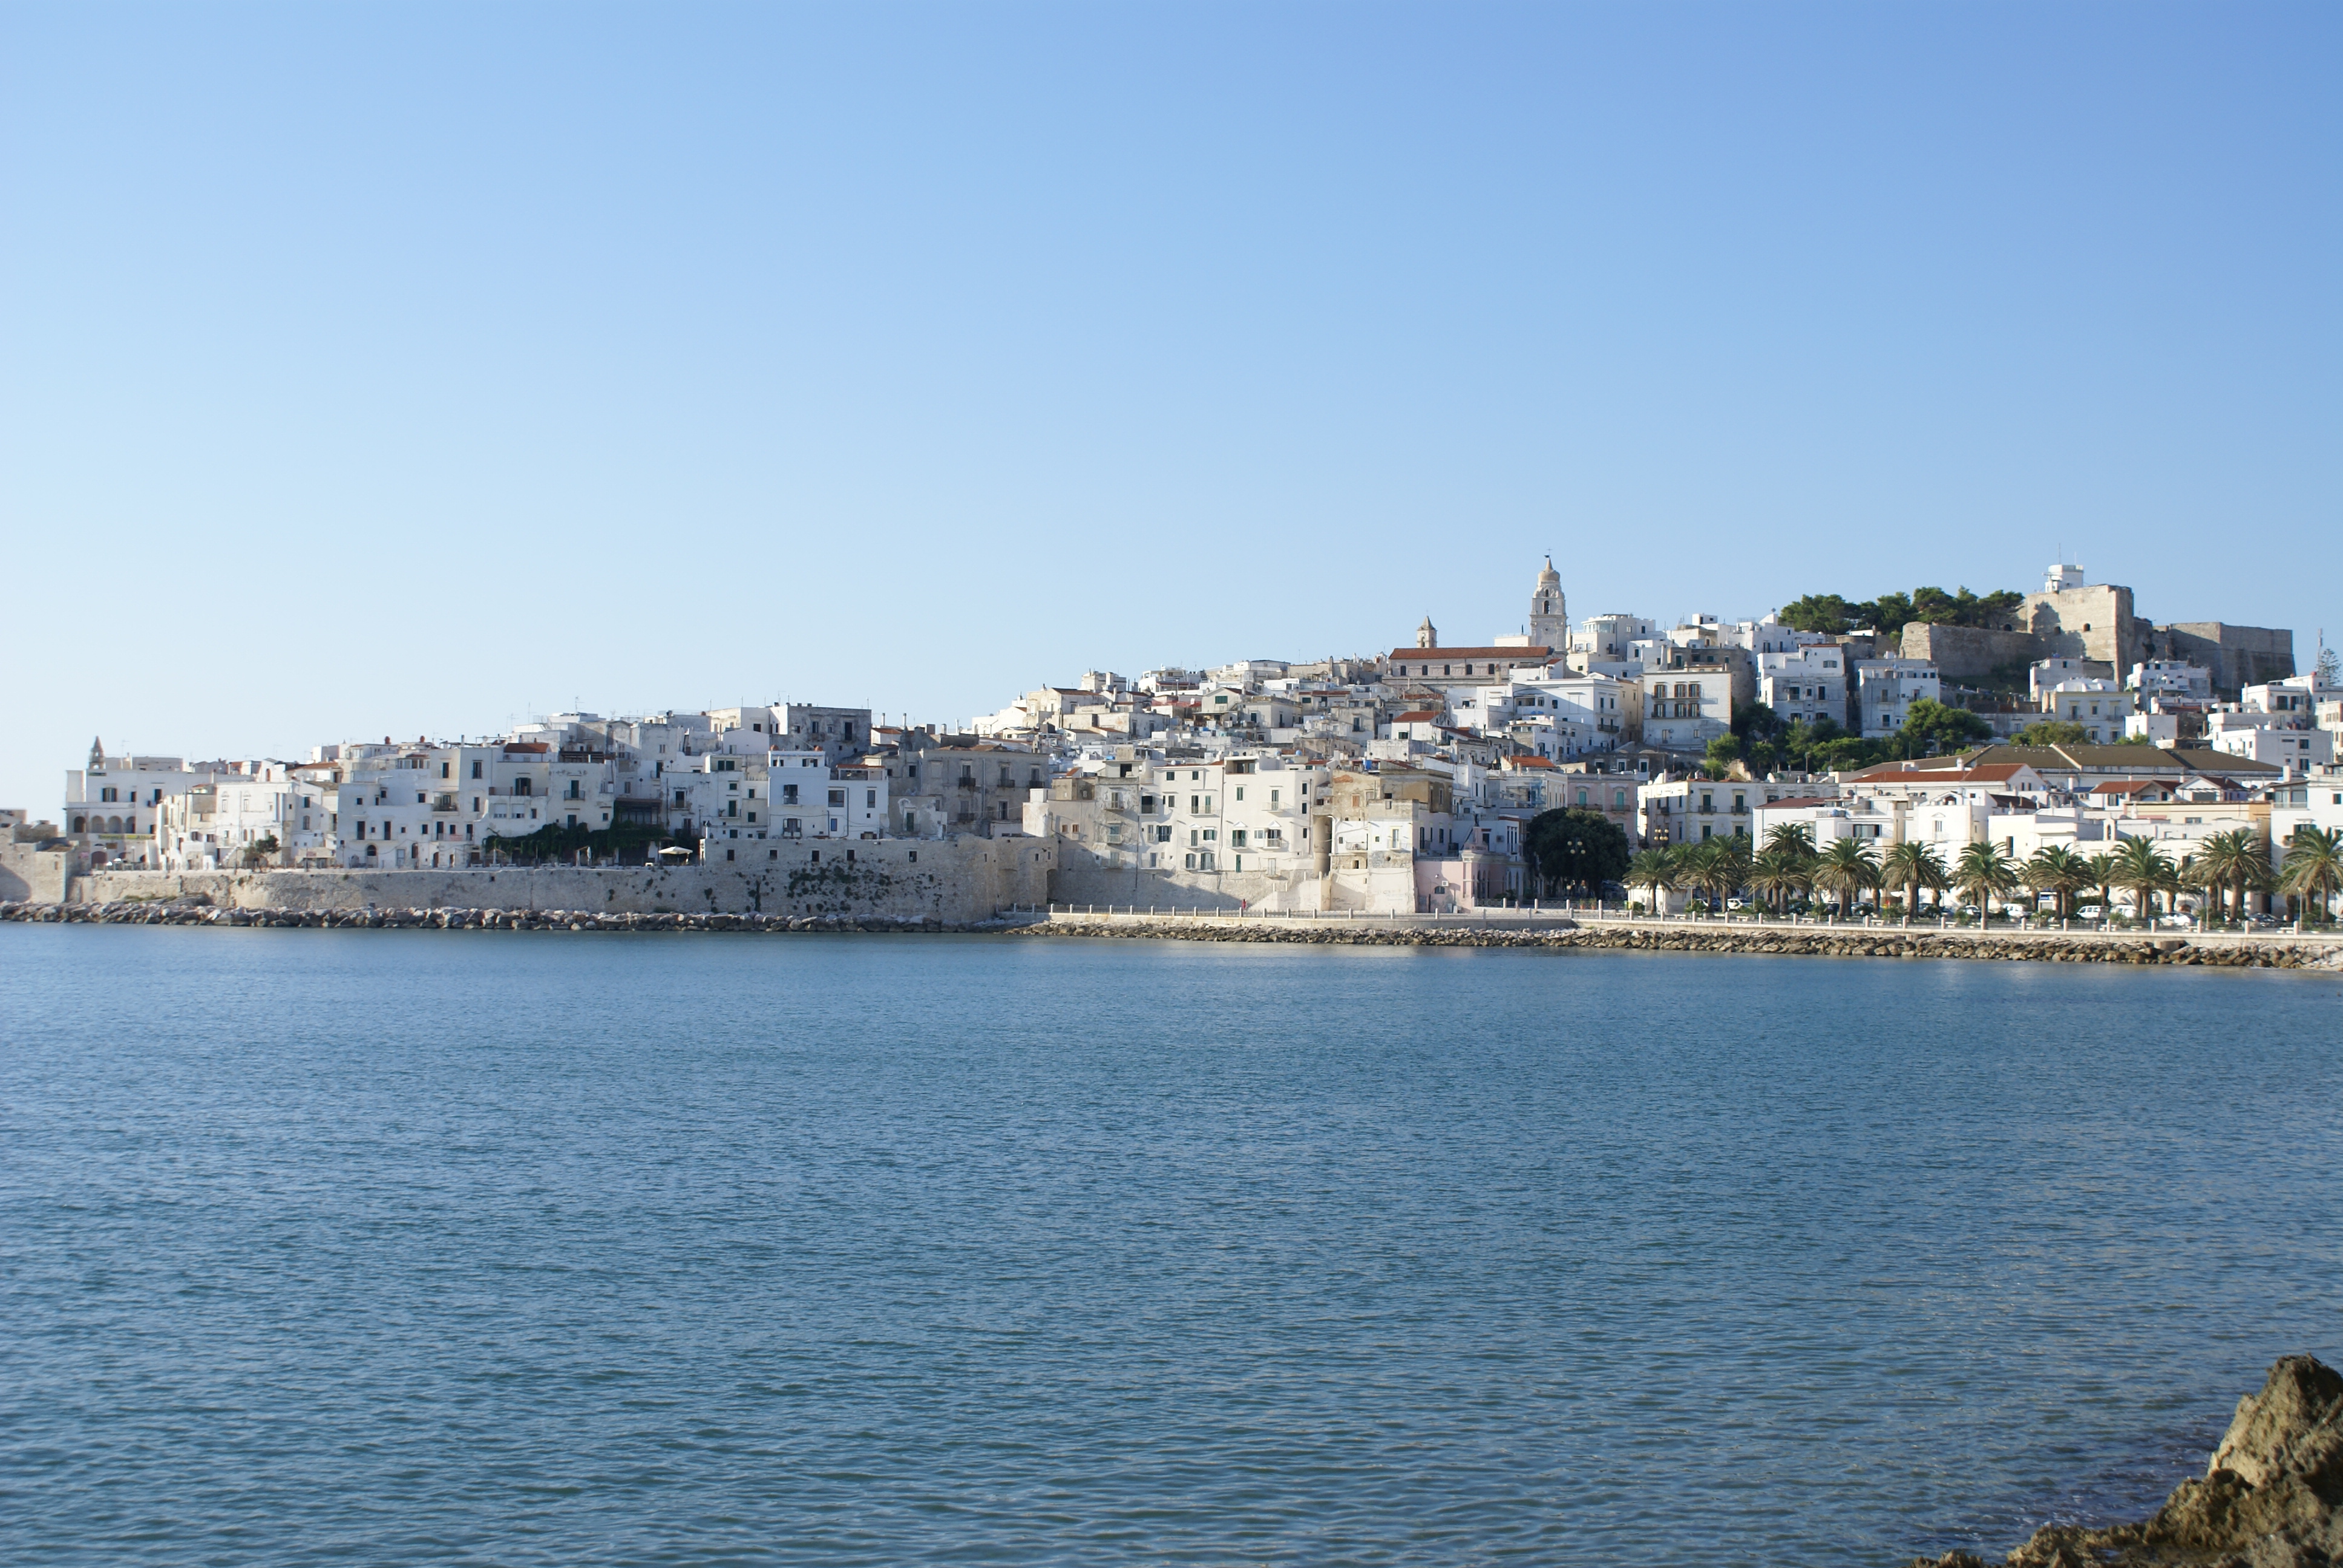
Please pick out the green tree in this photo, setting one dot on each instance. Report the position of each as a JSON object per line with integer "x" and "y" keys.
{"x": 1845, "y": 867}
{"x": 2313, "y": 864}
{"x": 1830, "y": 614}
{"x": 1654, "y": 870}
{"x": 2232, "y": 862}
{"x": 1913, "y": 865}
{"x": 1824, "y": 613}
{"x": 2141, "y": 870}
{"x": 1984, "y": 873}
{"x": 1932, "y": 729}
{"x": 1758, "y": 721}
{"x": 2102, "y": 868}
{"x": 1717, "y": 867}
{"x": 1575, "y": 847}
{"x": 2057, "y": 870}
{"x": 2330, "y": 667}
{"x": 2052, "y": 732}
{"x": 1777, "y": 873}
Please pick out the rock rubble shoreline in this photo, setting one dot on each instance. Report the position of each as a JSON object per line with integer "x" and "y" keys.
{"x": 2267, "y": 1498}
{"x": 197, "y": 914}
{"x": 1869, "y": 942}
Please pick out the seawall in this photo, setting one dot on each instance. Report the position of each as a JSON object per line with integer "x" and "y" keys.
{"x": 960, "y": 882}
{"x": 460, "y": 919}
{"x": 2223, "y": 952}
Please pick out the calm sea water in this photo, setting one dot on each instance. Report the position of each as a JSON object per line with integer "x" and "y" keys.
{"x": 390, "y": 1247}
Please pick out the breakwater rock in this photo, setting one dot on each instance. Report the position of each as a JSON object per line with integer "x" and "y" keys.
{"x": 202, "y": 913}
{"x": 1877, "y": 942}
{"x": 2267, "y": 1500}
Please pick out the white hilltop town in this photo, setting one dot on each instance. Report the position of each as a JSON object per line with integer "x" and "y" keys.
{"x": 1402, "y": 781}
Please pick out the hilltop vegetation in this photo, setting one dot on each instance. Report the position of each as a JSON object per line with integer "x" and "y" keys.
{"x": 1829, "y": 615}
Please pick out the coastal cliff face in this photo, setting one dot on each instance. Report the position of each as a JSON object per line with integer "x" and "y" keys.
{"x": 2267, "y": 1500}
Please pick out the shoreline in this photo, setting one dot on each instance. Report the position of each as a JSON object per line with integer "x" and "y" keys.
{"x": 2223, "y": 951}
{"x": 2041, "y": 946}
{"x": 477, "y": 919}
{"x": 2268, "y": 1496}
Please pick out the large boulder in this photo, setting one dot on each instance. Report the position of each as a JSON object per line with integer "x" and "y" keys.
{"x": 2267, "y": 1500}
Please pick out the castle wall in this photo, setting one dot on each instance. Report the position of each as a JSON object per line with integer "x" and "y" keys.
{"x": 2239, "y": 656}
{"x": 30, "y": 875}
{"x": 1974, "y": 656}
{"x": 2093, "y": 622}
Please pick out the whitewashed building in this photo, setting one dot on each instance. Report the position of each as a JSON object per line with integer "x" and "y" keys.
{"x": 1809, "y": 683}
{"x": 1885, "y": 689}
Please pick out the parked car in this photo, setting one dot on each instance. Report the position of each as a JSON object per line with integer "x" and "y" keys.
{"x": 2176, "y": 922}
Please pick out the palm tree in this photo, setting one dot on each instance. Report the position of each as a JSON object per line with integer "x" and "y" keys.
{"x": 1982, "y": 874}
{"x": 2191, "y": 875}
{"x": 1697, "y": 866}
{"x": 1728, "y": 870}
{"x": 2057, "y": 870}
{"x": 1847, "y": 867}
{"x": 1914, "y": 865}
{"x": 2102, "y": 868}
{"x": 2232, "y": 860}
{"x": 1713, "y": 868}
{"x": 2142, "y": 870}
{"x": 2258, "y": 876}
{"x": 1655, "y": 870}
{"x": 1790, "y": 838}
{"x": 1779, "y": 872}
{"x": 2313, "y": 864}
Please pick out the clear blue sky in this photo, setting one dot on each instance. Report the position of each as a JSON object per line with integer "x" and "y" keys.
{"x": 373, "y": 370}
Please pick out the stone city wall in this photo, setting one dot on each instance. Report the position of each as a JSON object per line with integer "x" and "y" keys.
{"x": 1380, "y": 889}
{"x": 956, "y": 880}
{"x": 1974, "y": 656}
{"x": 2239, "y": 656}
{"x": 31, "y": 875}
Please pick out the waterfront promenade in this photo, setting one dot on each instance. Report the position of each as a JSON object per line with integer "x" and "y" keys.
{"x": 1562, "y": 927}
{"x": 1566, "y": 917}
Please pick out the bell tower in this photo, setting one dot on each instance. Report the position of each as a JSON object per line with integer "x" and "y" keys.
{"x": 1427, "y": 635}
{"x": 1549, "y": 612}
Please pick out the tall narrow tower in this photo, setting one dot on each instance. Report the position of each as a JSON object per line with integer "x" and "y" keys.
{"x": 1427, "y": 635}
{"x": 1549, "y": 612}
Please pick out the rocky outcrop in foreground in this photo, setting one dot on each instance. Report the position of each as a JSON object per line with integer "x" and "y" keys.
{"x": 1823, "y": 942}
{"x": 2268, "y": 1499}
